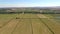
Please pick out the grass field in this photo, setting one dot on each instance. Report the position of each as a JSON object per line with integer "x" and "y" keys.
{"x": 29, "y": 24}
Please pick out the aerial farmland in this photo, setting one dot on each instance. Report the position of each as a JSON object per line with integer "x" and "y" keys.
{"x": 29, "y": 21}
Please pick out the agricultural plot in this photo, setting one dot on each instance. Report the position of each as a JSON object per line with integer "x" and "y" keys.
{"x": 55, "y": 17}
{"x": 5, "y": 18}
{"x": 28, "y": 24}
{"x": 52, "y": 25}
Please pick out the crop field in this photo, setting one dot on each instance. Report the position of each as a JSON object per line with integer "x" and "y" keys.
{"x": 55, "y": 17}
{"x": 29, "y": 24}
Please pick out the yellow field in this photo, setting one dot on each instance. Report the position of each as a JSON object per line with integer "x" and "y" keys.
{"x": 28, "y": 24}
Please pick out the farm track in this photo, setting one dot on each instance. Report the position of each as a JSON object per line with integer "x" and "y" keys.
{"x": 53, "y": 26}
{"x": 47, "y": 26}
{"x": 39, "y": 27}
{"x": 23, "y": 27}
{"x": 8, "y": 28}
{"x": 15, "y": 26}
{"x": 10, "y": 18}
{"x": 30, "y": 26}
{"x": 6, "y": 23}
{"x": 44, "y": 17}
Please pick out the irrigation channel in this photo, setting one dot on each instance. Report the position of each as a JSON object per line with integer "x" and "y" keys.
{"x": 29, "y": 24}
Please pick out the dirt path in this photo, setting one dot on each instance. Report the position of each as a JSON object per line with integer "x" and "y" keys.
{"x": 23, "y": 27}
{"x": 39, "y": 27}
{"x": 9, "y": 27}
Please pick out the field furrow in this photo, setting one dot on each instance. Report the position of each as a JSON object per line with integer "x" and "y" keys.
{"x": 9, "y": 27}
{"x": 5, "y": 18}
{"x": 28, "y": 24}
{"x": 39, "y": 27}
{"x": 24, "y": 27}
{"x": 55, "y": 27}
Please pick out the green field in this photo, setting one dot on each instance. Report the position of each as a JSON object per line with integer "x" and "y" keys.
{"x": 29, "y": 24}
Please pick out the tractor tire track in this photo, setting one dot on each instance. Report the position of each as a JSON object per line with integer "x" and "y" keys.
{"x": 24, "y": 27}
{"x": 43, "y": 17}
{"x": 6, "y": 23}
{"x": 7, "y": 29}
{"x": 55, "y": 27}
{"x": 20, "y": 19}
{"x": 46, "y": 26}
{"x": 31, "y": 26}
{"x": 15, "y": 27}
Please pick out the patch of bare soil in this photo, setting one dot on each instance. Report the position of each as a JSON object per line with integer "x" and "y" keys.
{"x": 42, "y": 16}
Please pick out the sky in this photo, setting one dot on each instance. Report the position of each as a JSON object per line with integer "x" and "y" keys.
{"x": 29, "y": 3}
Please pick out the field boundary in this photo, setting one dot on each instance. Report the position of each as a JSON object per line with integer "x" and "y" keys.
{"x": 31, "y": 26}
{"x": 41, "y": 17}
{"x": 15, "y": 27}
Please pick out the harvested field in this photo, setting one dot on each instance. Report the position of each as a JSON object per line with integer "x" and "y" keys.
{"x": 28, "y": 24}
